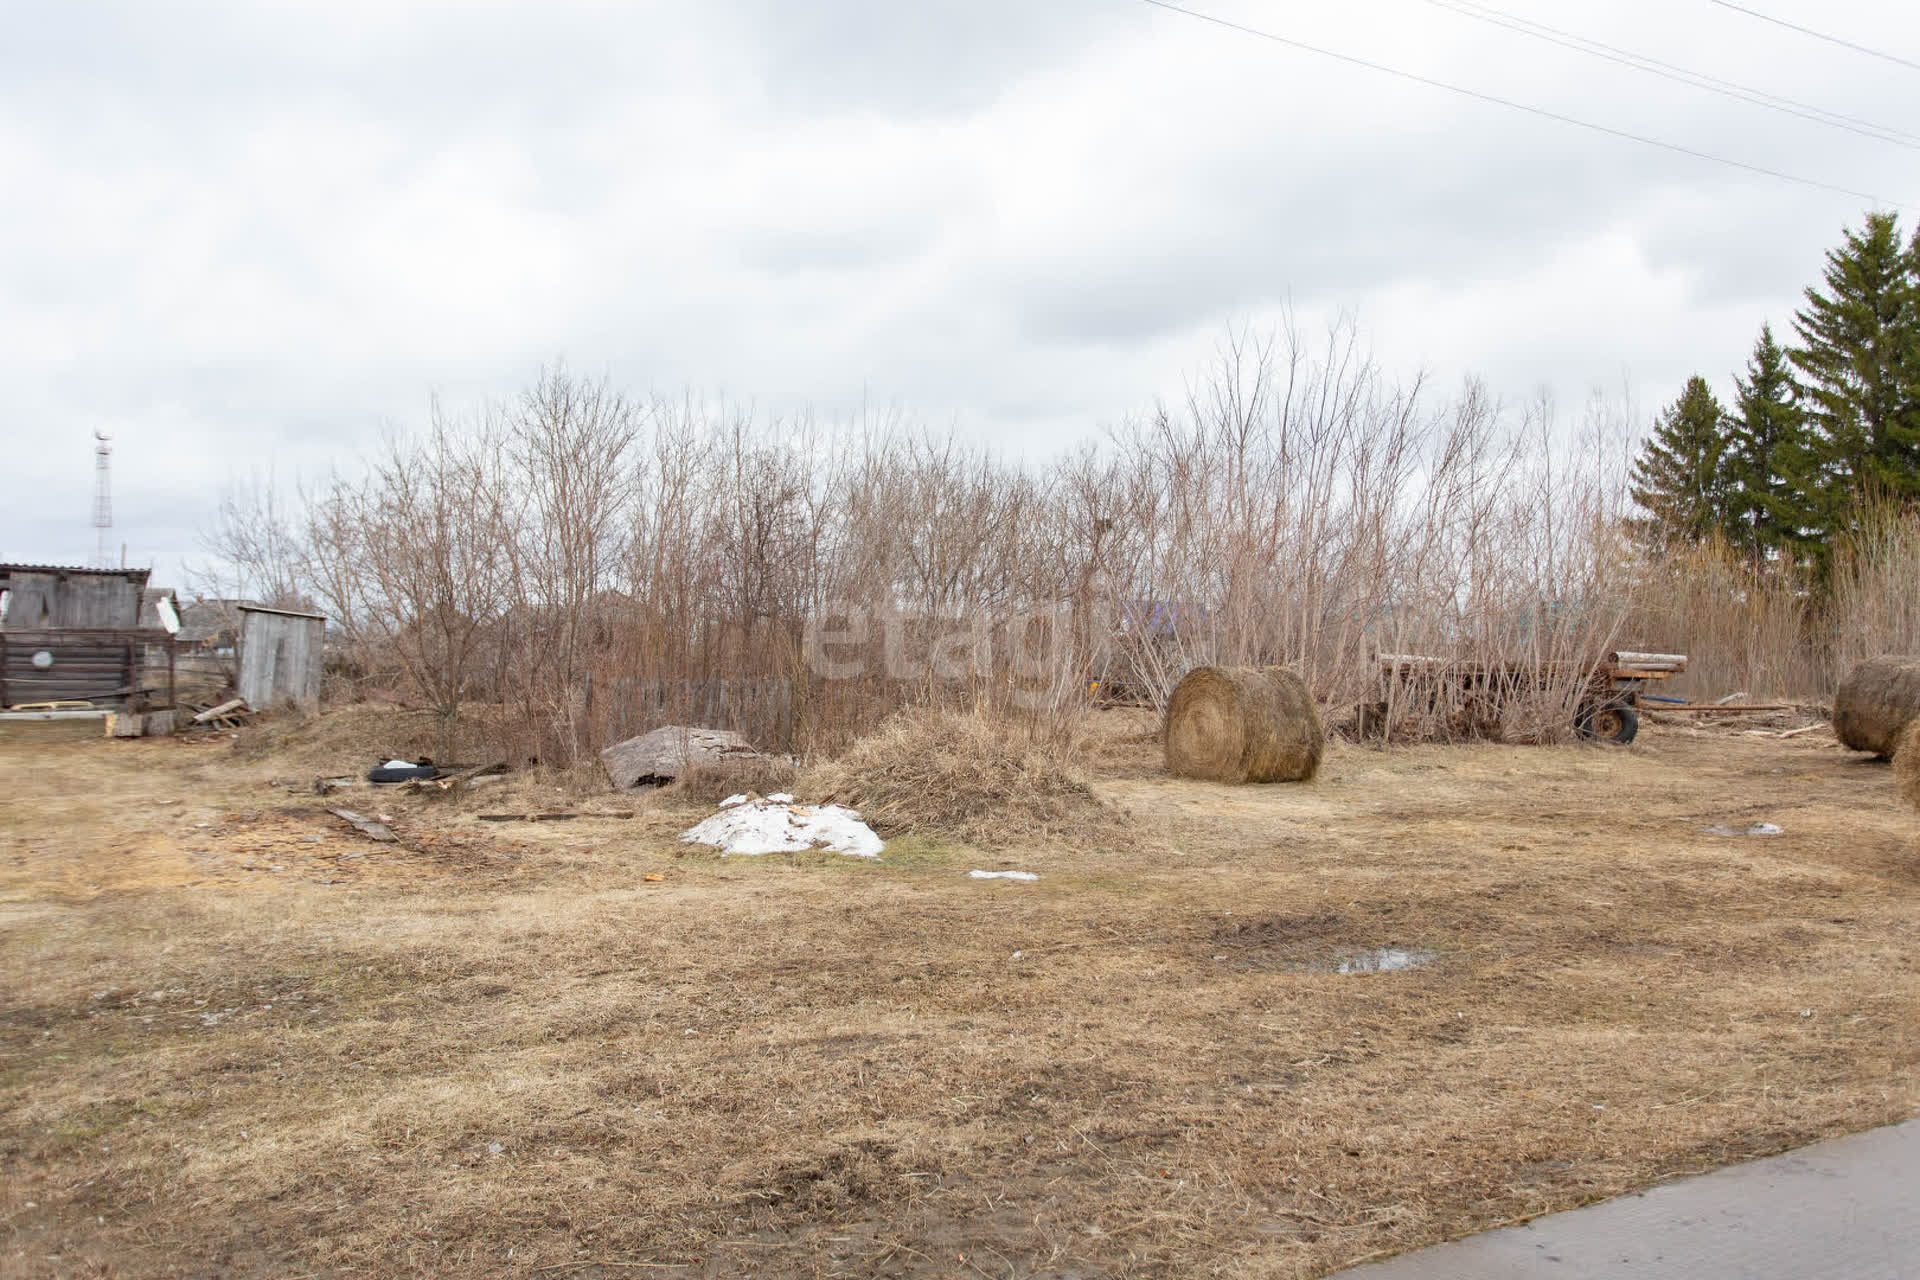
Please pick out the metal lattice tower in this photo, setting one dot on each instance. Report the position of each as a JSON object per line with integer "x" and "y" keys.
{"x": 102, "y": 499}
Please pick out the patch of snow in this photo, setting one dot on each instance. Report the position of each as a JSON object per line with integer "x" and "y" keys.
{"x": 399, "y": 764}
{"x": 731, "y": 801}
{"x": 1001, "y": 875}
{"x": 1385, "y": 960}
{"x": 781, "y": 797}
{"x": 1757, "y": 829}
{"x": 774, "y": 825}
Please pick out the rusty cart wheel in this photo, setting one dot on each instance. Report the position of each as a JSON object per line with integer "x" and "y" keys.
{"x": 1610, "y": 723}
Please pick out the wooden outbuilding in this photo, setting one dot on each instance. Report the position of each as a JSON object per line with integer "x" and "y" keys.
{"x": 280, "y": 656}
{"x": 74, "y": 635}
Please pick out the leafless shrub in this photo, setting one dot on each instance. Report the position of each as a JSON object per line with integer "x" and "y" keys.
{"x": 595, "y": 566}
{"x": 420, "y": 556}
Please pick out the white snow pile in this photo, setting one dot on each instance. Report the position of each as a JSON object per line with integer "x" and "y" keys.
{"x": 1001, "y": 875}
{"x": 776, "y": 824}
{"x": 1757, "y": 829}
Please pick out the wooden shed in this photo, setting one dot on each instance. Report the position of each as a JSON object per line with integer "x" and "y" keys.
{"x": 69, "y": 634}
{"x": 280, "y": 656}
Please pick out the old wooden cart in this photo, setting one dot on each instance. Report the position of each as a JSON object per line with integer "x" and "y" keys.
{"x": 1606, "y": 709}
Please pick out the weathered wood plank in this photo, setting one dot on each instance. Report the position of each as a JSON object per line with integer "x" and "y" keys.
{"x": 368, "y": 827}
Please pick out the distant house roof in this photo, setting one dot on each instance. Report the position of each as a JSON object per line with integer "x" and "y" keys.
{"x": 205, "y": 620}
{"x": 284, "y": 613}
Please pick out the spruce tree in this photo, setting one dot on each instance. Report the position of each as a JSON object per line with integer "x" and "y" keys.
{"x": 1678, "y": 479}
{"x": 1859, "y": 360}
{"x": 1775, "y": 484}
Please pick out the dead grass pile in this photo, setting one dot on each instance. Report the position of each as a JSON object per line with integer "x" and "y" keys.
{"x": 1876, "y": 701}
{"x": 708, "y": 784}
{"x": 1244, "y": 724}
{"x": 1121, "y": 742}
{"x": 947, "y": 774}
{"x": 1906, "y": 764}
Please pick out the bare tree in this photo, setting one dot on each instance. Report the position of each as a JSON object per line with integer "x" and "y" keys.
{"x": 421, "y": 554}
{"x": 571, "y": 443}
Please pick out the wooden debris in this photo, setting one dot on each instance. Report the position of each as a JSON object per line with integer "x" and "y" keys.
{"x": 1714, "y": 706}
{"x": 224, "y": 711}
{"x": 1805, "y": 728}
{"x": 447, "y": 783}
{"x": 366, "y": 826}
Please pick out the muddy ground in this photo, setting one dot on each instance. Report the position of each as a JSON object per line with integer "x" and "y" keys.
{"x": 237, "y": 1039}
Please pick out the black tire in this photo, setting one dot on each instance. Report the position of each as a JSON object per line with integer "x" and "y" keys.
{"x": 384, "y": 774}
{"x": 1613, "y": 723}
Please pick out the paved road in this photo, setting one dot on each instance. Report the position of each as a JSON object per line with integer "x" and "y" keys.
{"x": 1842, "y": 1210}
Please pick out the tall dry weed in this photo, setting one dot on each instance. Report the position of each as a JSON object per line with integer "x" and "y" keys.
{"x": 595, "y": 567}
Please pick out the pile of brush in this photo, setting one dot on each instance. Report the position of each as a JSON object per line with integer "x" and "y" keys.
{"x": 961, "y": 776}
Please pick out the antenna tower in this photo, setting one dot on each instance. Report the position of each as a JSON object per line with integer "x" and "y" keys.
{"x": 102, "y": 498}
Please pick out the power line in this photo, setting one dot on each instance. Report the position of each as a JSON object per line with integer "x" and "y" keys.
{"x": 1670, "y": 71}
{"x": 1542, "y": 112}
{"x": 1817, "y": 35}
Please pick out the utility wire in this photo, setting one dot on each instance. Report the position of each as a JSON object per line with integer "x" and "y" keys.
{"x": 1670, "y": 71}
{"x": 1817, "y": 35}
{"x": 1542, "y": 112}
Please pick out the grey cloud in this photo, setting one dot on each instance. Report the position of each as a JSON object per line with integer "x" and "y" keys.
{"x": 933, "y": 57}
{"x": 254, "y": 233}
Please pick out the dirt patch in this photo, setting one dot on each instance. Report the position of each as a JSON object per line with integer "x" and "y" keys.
{"x": 585, "y": 1049}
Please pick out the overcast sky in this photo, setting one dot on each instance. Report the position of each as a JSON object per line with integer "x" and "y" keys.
{"x": 245, "y": 235}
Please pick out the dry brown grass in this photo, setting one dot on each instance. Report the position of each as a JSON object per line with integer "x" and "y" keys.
{"x": 505, "y": 1051}
{"x": 710, "y": 784}
{"x": 1906, "y": 764}
{"x": 951, "y": 775}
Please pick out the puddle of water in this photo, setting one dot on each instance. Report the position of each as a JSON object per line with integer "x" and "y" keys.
{"x": 1383, "y": 960}
{"x": 1757, "y": 829}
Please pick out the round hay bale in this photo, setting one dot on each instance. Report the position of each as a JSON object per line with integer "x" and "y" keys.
{"x": 1876, "y": 701}
{"x": 1243, "y": 724}
{"x": 1906, "y": 764}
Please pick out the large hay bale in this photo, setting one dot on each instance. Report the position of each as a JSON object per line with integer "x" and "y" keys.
{"x": 1906, "y": 764}
{"x": 1244, "y": 724}
{"x": 1878, "y": 699}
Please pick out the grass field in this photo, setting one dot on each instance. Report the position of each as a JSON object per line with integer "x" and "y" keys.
{"x": 236, "y": 1039}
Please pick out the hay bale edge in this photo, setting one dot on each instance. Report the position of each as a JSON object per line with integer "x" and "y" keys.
{"x": 1906, "y": 764}
{"x": 1243, "y": 724}
{"x": 1876, "y": 701}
